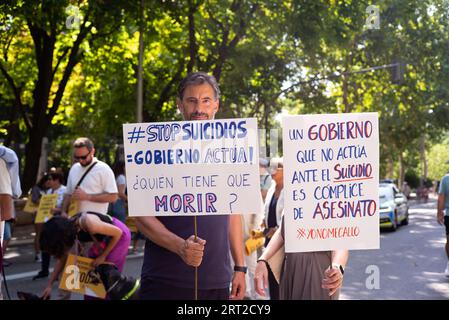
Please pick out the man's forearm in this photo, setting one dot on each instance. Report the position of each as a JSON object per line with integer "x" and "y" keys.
{"x": 340, "y": 257}
{"x": 66, "y": 202}
{"x": 103, "y": 197}
{"x": 236, "y": 239}
{"x": 154, "y": 230}
{"x": 441, "y": 201}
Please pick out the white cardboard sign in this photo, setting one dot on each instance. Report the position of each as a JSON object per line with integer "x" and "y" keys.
{"x": 331, "y": 181}
{"x": 192, "y": 167}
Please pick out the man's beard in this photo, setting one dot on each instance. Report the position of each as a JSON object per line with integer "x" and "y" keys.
{"x": 86, "y": 163}
{"x": 200, "y": 114}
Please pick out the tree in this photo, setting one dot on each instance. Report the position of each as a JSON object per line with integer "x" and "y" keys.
{"x": 57, "y": 51}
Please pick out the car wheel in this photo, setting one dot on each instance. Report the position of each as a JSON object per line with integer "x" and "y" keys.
{"x": 394, "y": 227}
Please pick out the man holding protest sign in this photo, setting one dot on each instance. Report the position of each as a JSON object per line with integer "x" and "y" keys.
{"x": 173, "y": 248}
{"x": 55, "y": 181}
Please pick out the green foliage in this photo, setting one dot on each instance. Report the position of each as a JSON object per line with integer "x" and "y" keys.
{"x": 293, "y": 55}
{"x": 439, "y": 160}
{"x": 412, "y": 179}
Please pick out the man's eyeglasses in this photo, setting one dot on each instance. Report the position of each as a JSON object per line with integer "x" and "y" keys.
{"x": 82, "y": 157}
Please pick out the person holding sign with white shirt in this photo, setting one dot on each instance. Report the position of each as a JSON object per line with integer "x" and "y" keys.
{"x": 55, "y": 181}
{"x": 172, "y": 251}
{"x": 274, "y": 207}
{"x": 304, "y": 275}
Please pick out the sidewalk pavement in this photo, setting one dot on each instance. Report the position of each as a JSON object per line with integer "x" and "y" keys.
{"x": 22, "y": 235}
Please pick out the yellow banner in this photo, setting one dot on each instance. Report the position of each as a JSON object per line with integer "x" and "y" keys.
{"x": 76, "y": 277}
{"x": 253, "y": 244}
{"x": 30, "y": 206}
{"x": 131, "y": 224}
{"x": 48, "y": 202}
{"x": 73, "y": 208}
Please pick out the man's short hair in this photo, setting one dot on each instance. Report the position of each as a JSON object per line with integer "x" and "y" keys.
{"x": 83, "y": 142}
{"x": 198, "y": 78}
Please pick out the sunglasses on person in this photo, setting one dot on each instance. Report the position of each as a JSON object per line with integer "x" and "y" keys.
{"x": 82, "y": 157}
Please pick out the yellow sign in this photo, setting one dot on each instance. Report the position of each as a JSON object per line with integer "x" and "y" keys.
{"x": 76, "y": 277}
{"x": 131, "y": 224}
{"x": 48, "y": 202}
{"x": 253, "y": 244}
{"x": 73, "y": 208}
{"x": 30, "y": 206}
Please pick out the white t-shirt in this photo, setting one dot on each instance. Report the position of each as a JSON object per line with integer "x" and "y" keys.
{"x": 99, "y": 180}
{"x": 60, "y": 192}
{"x": 5, "y": 188}
{"x": 5, "y": 179}
{"x": 121, "y": 180}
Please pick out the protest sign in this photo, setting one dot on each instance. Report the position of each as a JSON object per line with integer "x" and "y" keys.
{"x": 47, "y": 202}
{"x": 73, "y": 207}
{"x": 331, "y": 181}
{"x": 192, "y": 167}
{"x": 77, "y": 277}
{"x": 30, "y": 206}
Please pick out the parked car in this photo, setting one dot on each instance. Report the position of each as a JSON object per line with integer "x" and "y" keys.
{"x": 389, "y": 181}
{"x": 393, "y": 206}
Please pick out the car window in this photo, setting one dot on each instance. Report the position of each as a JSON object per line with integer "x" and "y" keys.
{"x": 386, "y": 194}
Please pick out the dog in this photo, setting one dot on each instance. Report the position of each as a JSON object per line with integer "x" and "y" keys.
{"x": 118, "y": 286}
{"x": 29, "y": 296}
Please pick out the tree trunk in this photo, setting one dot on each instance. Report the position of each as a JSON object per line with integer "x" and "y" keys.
{"x": 44, "y": 47}
{"x": 345, "y": 94}
{"x": 13, "y": 138}
{"x": 193, "y": 50}
{"x": 422, "y": 151}
{"x": 32, "y": 156}
{"x": 390, "y": 167}
{"x": 140, "y": 68}
{"x": 401, "y": 171}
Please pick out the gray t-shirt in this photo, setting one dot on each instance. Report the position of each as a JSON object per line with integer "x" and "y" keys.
{"x": 444, "y": 190}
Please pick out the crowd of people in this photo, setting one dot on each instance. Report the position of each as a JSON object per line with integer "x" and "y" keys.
{"x": 230, "y": 252}
{"x": 233, "y": 254}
